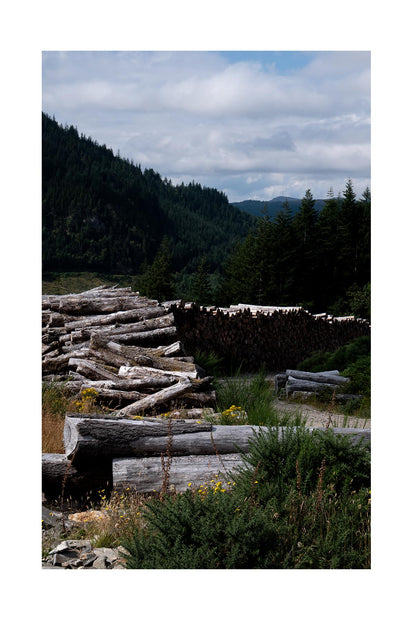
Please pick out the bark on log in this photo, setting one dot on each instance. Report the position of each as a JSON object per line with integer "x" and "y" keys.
{"x": 129, "y": 316}
{"x": 328, "y": 378}
{"x": 147, "y": 384}
{"x": 128, "y": 372}
{"x": 92, "y": 370}
{"x": 303, "y": 385}
{"x": 51, "y": 364}
{"x": 159, "y": 398}
{"x": 90, "y": 438}
{"x": 150, "y": 336}
{"x": 146, "y": 474}
{"x": 83, "y": 305}
{"x": 138, "y": 355}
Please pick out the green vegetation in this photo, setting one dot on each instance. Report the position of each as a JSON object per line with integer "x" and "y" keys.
{"x": 255, "y": 396}
{"x": 302, "y": 500}
{"x": 102, "y": 213}
{"x": 316, "y": 259}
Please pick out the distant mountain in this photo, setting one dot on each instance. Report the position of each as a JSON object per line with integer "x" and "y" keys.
{"x": 256, "y": 208}
{"x": 103, "y": 213}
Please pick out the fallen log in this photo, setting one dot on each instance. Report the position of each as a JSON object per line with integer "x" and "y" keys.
{"x": 140, "y": 356}
{"x": 328, "y": 378}
{"x": 129, "y": 372}
{"x": 129, "y": 316}
{"x": 293, "y": 384}
{"x": 88, "y": 438}
{"x": 147, "y": 475}
{"x": 92, "y": 370}
{"x": 149, "y": 336}
{"x": 161, "y": 397}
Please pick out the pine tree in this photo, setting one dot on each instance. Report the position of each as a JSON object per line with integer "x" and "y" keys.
{"x": 157, "y": 281}
{"x": 201, "y": 292}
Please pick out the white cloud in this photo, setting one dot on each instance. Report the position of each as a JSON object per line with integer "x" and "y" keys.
{"x": 194, "y": 115}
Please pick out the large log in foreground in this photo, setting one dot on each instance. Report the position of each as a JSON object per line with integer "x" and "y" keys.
{"x": 90, "y": 438}
{"x": 148, "y": 474}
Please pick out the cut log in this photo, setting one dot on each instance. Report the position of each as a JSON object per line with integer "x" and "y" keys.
{"x": 59, "y": 475}
{"x": 140, "y": 356}
{"x": 111, "y": 353}
{"x": 297, "y": 384}
{"x": 84, "y": 305}
{"x": 149, "y": 336}
{"x": 148, "y": 384}
{"x": 328, "y": 378}
{"x": 136, "y": 315}
{"x": 92, "y": 370}
{"x": 146, "y": 474}
{"x": 162, "y": 397}
{"x": 129, "y": 372}
{"x": 51, "y": 364}
{"x": 90, "y": 438}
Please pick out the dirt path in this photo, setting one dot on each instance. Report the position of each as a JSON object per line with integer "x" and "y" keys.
{"x": 318, "y": 418}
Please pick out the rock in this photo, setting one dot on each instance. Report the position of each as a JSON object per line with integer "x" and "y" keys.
{"x": 78, "y": 554}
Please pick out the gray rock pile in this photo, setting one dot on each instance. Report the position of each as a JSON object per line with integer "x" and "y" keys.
{"x": 79, "y": 554}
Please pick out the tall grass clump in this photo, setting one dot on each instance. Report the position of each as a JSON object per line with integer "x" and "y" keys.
{"x": 55, "y": 403}
{"x": 252, "y": 396}
{"x": 301, "y": 500}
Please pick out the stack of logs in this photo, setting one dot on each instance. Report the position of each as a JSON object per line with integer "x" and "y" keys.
{"x": 124, "y": 347}
{"x": 304, "y": 384}
{"x": 256, "y": 336}
{"x": 149, "y": 455}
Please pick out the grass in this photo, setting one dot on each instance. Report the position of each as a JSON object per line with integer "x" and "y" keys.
{"x": 247, "y": 400}
{"x": 60, "y": 283}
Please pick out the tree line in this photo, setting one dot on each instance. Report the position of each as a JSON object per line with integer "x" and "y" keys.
{"x": 102, "y": 213}
{"x": 316, "y": 259}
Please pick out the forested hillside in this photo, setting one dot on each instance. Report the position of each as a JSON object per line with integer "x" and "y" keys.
{"x": 103, "y": 213}
{"x": 274, "y": 206}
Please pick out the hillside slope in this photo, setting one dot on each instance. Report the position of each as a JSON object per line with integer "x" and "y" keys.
{"x": 103, "y": 213}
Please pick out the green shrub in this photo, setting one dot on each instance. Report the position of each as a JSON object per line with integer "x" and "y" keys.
{"x": 278, "y": 455}
{"x": 301, "y": 501}
{"x": 209, "y": 531}
{"x": 340, "y": 359}
{"x": 359, "y": 373}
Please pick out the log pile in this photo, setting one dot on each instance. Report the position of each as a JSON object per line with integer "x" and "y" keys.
{"x": 123, "y": 346}
{"x": 276, "y": 337}
{"x": 304, "y": 384}
{"x": 149, "y": 455}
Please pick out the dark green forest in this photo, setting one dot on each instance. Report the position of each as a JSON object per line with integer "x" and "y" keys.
{"x": 102, "y": 213}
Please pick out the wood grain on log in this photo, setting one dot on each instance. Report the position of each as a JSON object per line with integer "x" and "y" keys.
{"x": 328, "y": 378}
{"x": 146, "y": 474}
{"x": 86, "y": 438}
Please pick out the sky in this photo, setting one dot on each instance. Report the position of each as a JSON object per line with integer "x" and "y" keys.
{"x": 254, "y": 125}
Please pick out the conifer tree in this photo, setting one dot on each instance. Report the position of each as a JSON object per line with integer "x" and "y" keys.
{"x": 157, "y": 281}
{"x": 201, "y": 292}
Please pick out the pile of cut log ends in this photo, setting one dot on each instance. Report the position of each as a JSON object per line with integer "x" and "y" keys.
{"x": 124, "y": 347}
{"x": 149, "y": 454}
{"x": 303, "y": 384}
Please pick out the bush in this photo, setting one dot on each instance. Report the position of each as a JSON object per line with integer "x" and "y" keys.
{"x": 301, "y": 501}
{"x": 340, "y": 359}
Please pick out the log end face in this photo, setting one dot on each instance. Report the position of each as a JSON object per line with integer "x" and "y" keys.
{"x": 70, "y": 437}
